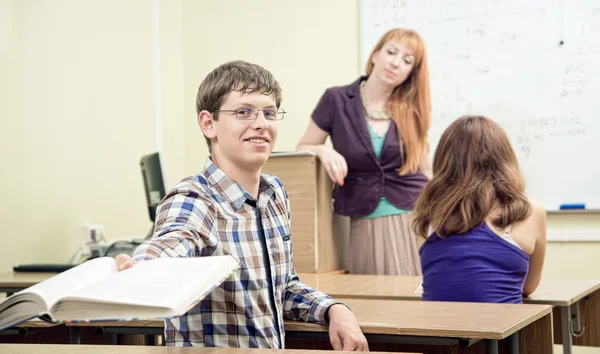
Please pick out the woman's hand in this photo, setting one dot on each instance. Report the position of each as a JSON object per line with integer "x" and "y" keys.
{"x": 334, "y": 164}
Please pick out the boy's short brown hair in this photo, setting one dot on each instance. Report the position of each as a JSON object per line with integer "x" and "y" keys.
{"x": 238, "y": 76}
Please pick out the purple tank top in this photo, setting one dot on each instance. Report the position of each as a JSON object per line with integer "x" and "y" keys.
{"x": 478, "y": 266}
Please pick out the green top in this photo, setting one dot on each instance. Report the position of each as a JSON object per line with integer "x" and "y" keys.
{"x": 385, "y": 208}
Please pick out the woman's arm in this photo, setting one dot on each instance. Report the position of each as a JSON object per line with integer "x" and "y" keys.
{"x": 425, "y": 166}
{"x": 334, "y": 163}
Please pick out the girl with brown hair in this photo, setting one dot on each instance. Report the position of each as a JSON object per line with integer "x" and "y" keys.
{"x": 488, "y": 240}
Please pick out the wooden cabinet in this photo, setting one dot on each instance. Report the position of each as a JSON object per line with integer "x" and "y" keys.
{"x": 309, "y": 189}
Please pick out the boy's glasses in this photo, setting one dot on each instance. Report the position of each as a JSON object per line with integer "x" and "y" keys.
{"x": 252, "y": 113}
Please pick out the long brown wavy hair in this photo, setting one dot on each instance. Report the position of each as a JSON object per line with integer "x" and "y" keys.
{"x": 475, "y": 175}
{"x": 410, "y": 102}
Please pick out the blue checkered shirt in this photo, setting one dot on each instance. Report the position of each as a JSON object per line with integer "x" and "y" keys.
{"x": 210, "y": 214}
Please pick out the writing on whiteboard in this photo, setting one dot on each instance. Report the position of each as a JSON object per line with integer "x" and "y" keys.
{"x": 539, "y": 129}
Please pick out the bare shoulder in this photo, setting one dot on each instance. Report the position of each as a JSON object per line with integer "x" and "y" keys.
{"x": 531, "y": 230}
{"x": 538, "y": 212}
{"x": 536, "y": 222}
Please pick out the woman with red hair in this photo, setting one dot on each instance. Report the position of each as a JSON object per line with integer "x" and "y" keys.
{"x": 379, "y": 160}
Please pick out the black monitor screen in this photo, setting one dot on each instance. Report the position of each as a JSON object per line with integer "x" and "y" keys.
{"x": 153, "y": 182}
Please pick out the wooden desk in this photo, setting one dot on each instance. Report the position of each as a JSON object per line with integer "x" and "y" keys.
{"x": 389, "y": 323}
{"x": 576, "y": 302}
{"x": 408, "y": 311}
{"x": 12, "y": 282}
{"x": 111, "y": 349}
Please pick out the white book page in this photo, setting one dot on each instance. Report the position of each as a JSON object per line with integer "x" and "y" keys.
{"x": 419, "y": 289}
{"x": 62, "y": 284}
{"x": 163, "y": 282}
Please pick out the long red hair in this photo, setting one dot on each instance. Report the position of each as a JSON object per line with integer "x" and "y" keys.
{"x": 410, "y": 102}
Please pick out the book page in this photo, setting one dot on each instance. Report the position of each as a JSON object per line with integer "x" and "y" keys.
{"x": 419, "y": 289}
{"x": 164, "y": 282}
{"x": 52, "y": 289}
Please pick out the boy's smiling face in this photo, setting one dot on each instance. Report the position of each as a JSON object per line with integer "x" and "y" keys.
{"x": 243, "y": 144}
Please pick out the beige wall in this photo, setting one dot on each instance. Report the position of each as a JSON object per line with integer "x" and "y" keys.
{"x": 306, "y": 50}
{"x": 76, "y": 115}
{"x": 77, "y": 107}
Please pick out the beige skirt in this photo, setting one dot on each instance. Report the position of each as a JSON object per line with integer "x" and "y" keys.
{"x": 385, "y": 245}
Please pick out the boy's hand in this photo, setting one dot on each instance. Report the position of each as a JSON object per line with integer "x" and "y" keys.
{"x": 124, "y": 261}
{"x": 344, "y": 331}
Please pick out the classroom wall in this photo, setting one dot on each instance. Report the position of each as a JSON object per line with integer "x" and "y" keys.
{"x": 78, "y": 107}
{"x": 306, "y": 50}
{"x": 76, "y": 116}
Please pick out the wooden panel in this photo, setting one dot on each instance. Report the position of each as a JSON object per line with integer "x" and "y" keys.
{"x": 389, "y": 347}
{"x": 298, "y": 175}
{"x": 59, "y": 334}
{"x": 537, "y": 337}
{"x": 309, "y": 189}
{"x": 327, "y": 253}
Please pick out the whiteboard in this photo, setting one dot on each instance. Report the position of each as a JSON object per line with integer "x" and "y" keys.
{"x": 533, "y": 66}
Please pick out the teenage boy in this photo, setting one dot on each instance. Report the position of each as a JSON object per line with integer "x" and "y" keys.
{"x": 230, "y": 208}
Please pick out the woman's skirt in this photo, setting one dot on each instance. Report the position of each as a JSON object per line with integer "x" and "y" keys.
{"x": 385, "y": 245}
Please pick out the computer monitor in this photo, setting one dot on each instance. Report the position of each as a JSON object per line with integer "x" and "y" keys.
{"x": 154, "y": 186}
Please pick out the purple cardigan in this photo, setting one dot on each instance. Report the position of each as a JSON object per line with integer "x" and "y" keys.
{"x": 340, "y": 113}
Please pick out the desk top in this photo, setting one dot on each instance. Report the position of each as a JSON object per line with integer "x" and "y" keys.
{"x": 22, "y": 279}
{"x": 562, "y": 292}
{"x": 554, "y": 292}
{"x": 551, "y": 291}
{"x": 437, "y": 319}
{"x": 132, "y": 349}
{"x": 434, "y": 319}
{"x": 380, "y": 287}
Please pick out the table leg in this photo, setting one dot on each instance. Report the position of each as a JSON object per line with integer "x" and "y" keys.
{"x": 491, "y": 346}
{"x": 576, "y": 328}
{"x": 567, "y": 339}
{"x": 512, "y": 342}
{"x": 74, "y": 335}
{"x": 149, "y": 339}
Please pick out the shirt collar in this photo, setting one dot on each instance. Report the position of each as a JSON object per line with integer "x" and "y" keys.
{"x": 231, "y": 191}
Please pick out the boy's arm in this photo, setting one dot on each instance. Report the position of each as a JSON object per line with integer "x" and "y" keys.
{"x": 184, "y": 220}
{"x": 304, "y": 303}
{"x": 301, "y": 302}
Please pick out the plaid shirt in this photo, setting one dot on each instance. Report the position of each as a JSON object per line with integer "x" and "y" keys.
{"x": 210, "y": 214}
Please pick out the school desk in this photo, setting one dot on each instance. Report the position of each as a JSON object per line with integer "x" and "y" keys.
{"x": 12, "y": 282}
{"x": 387, "y": 323}
{"x": 576, "y": 302}
{"x": 375, "y": 287}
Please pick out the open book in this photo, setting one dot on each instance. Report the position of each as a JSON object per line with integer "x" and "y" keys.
{"x": 96, "y": 290}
